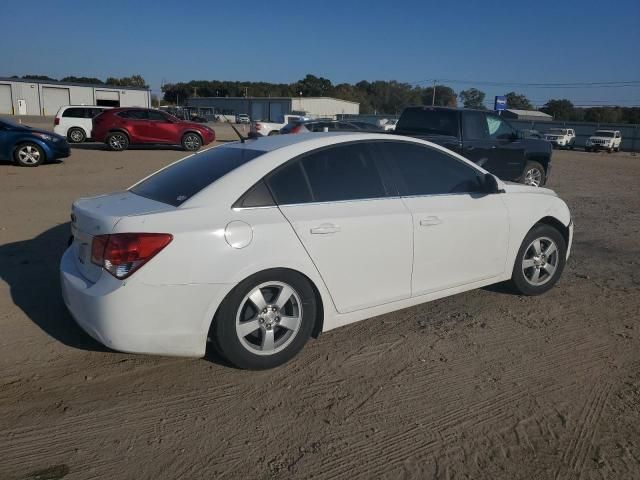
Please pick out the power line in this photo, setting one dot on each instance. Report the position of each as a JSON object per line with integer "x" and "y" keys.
{"x": 612, "y": 84}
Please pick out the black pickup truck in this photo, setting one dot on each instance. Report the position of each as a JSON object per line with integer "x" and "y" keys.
{"x": 482, "y": 137}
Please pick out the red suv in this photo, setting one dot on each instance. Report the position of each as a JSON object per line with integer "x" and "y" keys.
{"x": 121, "y": 127}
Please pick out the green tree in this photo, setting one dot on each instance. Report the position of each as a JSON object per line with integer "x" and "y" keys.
{"x": 133, "y": 81}
{"x": 518, "y": 101}
{"x": 472, "y": 98}
{"x": 38, "y": 77}
{"x": 73, "y": 79}
{"x": 559, "y": 109}
{"x": 445, "y": 96}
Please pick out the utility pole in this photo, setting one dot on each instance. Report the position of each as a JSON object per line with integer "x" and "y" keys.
{"x": 433, "y": 98}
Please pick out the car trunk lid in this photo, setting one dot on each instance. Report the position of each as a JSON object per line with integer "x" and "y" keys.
{"x": 99, "y": 215}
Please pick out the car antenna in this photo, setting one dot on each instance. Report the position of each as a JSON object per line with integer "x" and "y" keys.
{"x": 242, "y": 139}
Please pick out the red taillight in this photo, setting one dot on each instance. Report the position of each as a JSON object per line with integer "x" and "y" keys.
{"x": 56, "y": 121}
{"x": 121, "y": 254}
{"x": 296, "y": 129}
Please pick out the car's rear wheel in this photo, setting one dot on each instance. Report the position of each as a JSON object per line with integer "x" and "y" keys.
{"x": 534, "y": 174}
{"x": 28, "y": 155}
{"x": 191, "y": 142}
{"x": 540, "y": 260}
{"x": 266, "y": 320}
{"x": 76, "y": 135}
{"x": 117, "y": 141}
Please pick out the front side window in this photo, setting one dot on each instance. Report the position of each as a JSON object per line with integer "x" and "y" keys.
{"x": 182, "y": 180}
{"x": 499, "y": 129}
{"x": 423, "y": 170}
{"x": 134, "y": 114}
{"x": 342, "y": 172}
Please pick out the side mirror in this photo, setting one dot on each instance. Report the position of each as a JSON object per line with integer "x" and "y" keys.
{"x": 490, "y": 184}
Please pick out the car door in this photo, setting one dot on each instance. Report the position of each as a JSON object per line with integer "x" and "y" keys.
{"x": 137, "y": 125}
{"x": 510, "y": 146}
{"x": 359, "y": 236}
{"x": 477, "y": 146}
{"x": 161, "y": 129}
{"x": 460, "y": 233}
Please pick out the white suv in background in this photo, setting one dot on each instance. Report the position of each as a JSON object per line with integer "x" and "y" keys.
{"x": 74, "y": 121}
{"x": 561, "y": 137}
{"x": 608, "y": 140}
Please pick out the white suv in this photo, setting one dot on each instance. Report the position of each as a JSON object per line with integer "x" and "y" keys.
{"x": 608, "y": 140}
{"x": 561, "y": 137}
{"x": 74, "y": 121}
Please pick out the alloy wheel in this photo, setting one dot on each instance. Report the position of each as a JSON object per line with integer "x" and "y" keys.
{"x": 29, "y": 155}
{"x": 76, "y": 136}
{"x": 540, "y": 261}
{"x": 192, "y": 142}
{"x": 533, "y": 177}
{"x": 269, "y": 318}
{"x": 117, "y": 141}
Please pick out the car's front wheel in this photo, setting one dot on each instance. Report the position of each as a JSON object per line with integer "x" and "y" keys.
{"x": 76, "y": 135}
{"x": 28, "y": 155}
{"x": 534, "y": 174}
{"x": 540, "y": 260}
{"x": 191, "y": 142}
{"x": 265, "y": 320}
{"x": 117, "y": 141}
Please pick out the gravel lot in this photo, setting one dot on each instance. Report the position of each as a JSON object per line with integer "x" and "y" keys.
{"x": 485, "y": 384}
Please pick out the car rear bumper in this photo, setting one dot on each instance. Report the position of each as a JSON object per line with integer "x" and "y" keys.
{"x": 139, "y": 318}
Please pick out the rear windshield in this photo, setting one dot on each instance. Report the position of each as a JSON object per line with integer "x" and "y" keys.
{"x": 602, "y": 133}
{"x": 429, "y": 121}
{"x": 179, "y": 182}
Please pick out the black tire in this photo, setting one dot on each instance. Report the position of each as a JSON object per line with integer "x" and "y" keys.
{"x": 76, "y": 135}
{"x": 274, "y": 132}
{"x": 587, "y": 149}
{"x": 191, "y": 142}
{"x": 29, "y": 154}
{"x": 530, "y": 167}
{"x": 522, "y": 283}
{"x": 223, "y": 329}
{"x": 117, "y": 141}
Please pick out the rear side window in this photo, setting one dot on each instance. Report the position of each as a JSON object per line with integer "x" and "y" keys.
{"x": 474, "y": 126}
{"x": 75, "y": 113}
{"x": 134, "y": 114}
{"x": 343, "y": 172}
{"x": 422, "y": 170}
{"x": 179, "y": 182}
{"x": 429, "y": 121}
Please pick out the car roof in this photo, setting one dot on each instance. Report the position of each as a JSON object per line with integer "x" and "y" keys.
{"x": 275, "y": 142}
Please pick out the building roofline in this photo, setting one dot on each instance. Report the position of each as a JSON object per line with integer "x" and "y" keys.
{"x": 277, "y": 98}
{"x": 72, "y": 84}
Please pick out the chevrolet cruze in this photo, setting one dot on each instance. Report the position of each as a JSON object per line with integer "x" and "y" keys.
{"x": 257, "y": 246}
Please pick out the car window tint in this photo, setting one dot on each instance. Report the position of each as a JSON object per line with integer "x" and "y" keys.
{"x": 74, "y": 113}
{"x": 157, "y": 116}
{"x": 424, "y": 170}
{"x": 343, "y": 172}
{"x": 289, "y": 184}
{"x": 257, "y": 196}
{"x": 429, "y": 121}
{"x": 474, "y": 126}
{"x": 134, "y": 114}
{"x": 182, "y": 180}
{"x": 498, "y": 128}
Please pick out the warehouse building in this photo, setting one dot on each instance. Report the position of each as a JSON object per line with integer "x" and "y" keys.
{"x": 273, "y": 109}
{"x": 44, "y": 97}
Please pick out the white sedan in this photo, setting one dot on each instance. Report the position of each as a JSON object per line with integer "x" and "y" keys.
{"x": 257, "y": 246}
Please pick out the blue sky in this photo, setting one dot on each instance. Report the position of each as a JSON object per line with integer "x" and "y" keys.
{"x": 345, "y": 41}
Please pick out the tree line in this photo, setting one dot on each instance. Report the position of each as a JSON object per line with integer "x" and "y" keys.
{"x": 132, "y": 81}
{"x": 390, "y": 97}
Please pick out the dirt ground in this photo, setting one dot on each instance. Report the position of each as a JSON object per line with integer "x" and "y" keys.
{"x": 482, "y": 385}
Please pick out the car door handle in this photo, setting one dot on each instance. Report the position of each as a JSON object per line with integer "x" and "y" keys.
{"x": 325, "y": 229}
{"x": 430, "y": 221}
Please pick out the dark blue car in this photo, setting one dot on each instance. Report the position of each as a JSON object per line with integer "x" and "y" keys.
{"x": 29, "y": 147}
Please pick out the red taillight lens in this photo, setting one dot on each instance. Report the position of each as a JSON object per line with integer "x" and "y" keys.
{"x": 121, "y": 254}
{"x": 296, "y": 129}
{"x": 56, "y": 121}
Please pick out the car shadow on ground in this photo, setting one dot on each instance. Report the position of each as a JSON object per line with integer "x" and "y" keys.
{"x": 30, "y": 268}
{"x": 103, "y": 147}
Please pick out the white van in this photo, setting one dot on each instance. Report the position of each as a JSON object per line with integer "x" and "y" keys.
{"x": 74, "y": 121}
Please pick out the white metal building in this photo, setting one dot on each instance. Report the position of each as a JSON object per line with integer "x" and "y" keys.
{"x": 274, "y": 108}
{"x": 44, "y": 97}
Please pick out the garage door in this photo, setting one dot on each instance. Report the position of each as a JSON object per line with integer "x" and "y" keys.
{"x": 5, "y": 99}
{"x": 107, "y": 98}
{"x": 53, "y": 99}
